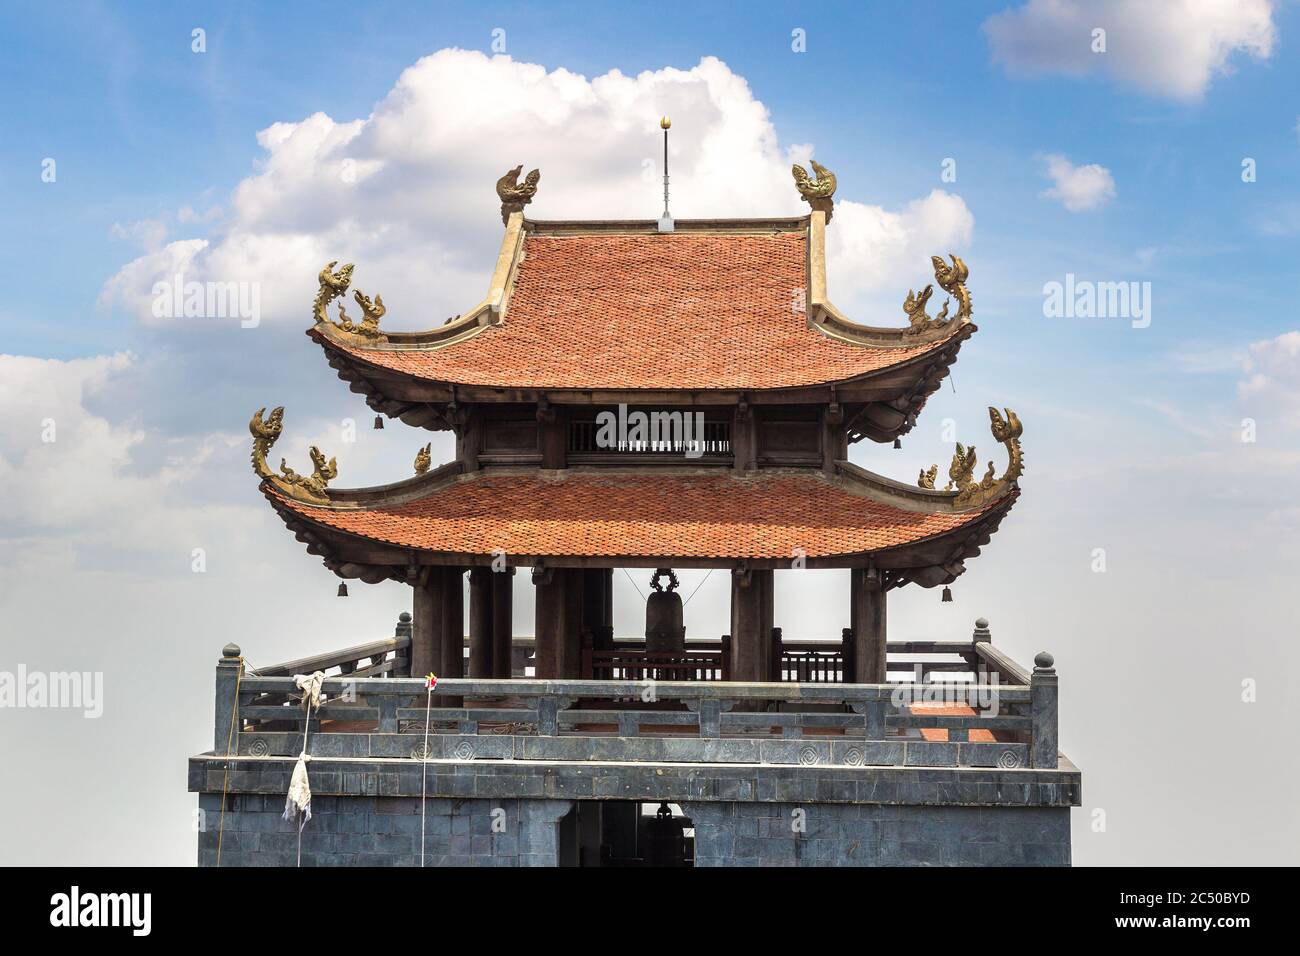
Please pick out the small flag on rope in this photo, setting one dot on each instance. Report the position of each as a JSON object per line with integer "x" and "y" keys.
{"x": 430, "y": 681}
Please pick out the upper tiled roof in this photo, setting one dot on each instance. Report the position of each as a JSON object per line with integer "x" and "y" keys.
{"x": 684, "y": 310}
{"x": 697, "y": 515}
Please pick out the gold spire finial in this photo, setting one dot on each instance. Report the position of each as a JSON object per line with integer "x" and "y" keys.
{"x": 665, "y": 123}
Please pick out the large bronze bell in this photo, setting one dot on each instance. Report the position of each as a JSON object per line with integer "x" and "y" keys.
{"x": 664, "y": 631}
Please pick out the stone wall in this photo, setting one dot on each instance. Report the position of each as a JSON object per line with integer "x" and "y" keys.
{"x": 383, "y": 831}
{"x": 766, "y": 834}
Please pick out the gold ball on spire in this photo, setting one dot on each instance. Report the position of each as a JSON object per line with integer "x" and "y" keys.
{"x": 665, "y": 123}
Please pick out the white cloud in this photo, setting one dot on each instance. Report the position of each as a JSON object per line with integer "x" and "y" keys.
{"x": 1272, "y": 382}
{"x": 871, "y": 248}
{"x": 407, "y": 193}
{"x": 1172, "y": 48}
{"x": 1078, "y": 188}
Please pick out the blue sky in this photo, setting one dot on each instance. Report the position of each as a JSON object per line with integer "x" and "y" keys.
{"x": 139, "y": 124}
{"x": 1132, "y": 436}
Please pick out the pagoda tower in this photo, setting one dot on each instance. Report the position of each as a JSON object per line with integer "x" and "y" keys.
{"x": 653, "y": 394}
{"x": 628, "y": 396}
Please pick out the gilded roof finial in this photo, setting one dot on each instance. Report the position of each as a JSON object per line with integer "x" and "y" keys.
{"x": 333, "y": 285}
{"x": 514, "y": 194}
{"x": 817, "y": 192}
{"x": 972, "y": 493}
{"x": 424, "y": 459}
{"x": 309, "y": 488}
{"x": 666, "y": 220}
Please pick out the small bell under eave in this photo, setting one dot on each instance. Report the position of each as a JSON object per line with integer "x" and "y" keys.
{"x": 379, "y": 422}
{"x": 898, "y": 443}
{"x": 343, "y": 589}
{"x": 947, "y": 596}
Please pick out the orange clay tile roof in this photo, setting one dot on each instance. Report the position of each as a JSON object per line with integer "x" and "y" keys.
{"x": 652, "y": 311}
{"x": 601, "y": 515}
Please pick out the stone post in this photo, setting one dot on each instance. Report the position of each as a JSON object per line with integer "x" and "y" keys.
{"x": 402, "y": 658}
{"x": 980, "y": 635}
{"x": 1042, "y": 710}
{"x": 228, "y": 671}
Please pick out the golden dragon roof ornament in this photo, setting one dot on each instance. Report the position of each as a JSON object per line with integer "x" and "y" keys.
{"x": 952, "y": 279}
{"x": 333, "y": 285}
{"x": 817, "y": 192}
{"x": 424, "y": 459}
{"x": 514, "y": 194}
{"x": 961, "y": 473}
{"x": 310, "y": 488}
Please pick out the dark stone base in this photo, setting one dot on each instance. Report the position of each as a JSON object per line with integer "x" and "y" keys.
{"x": 382, "y": 831}
{"x": 824, "y": 834}
{"x": 385, "y": 831}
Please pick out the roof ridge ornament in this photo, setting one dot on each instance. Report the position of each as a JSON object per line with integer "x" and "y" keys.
{"x": 424, "y": 459}
{"x": 334, "y": 285}
{"x": 515, "y": 195}
{"x": 310, "y": 488}
{"x": 952, "y": 279}
{"x": 961, "y": 472}
{"x": 819, "y": 192}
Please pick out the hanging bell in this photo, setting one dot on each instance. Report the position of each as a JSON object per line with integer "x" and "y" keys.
{"x": 898, "y": 443}
{"x": 343, "y": 589}
{"x": 379, "y": 422}
{"x": 947, "y": 596}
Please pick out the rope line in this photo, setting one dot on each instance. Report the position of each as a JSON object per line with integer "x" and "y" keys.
{"x": 424, "y": 771}
{"x": 629, "y": 577}
{"x": 697, "y": 587}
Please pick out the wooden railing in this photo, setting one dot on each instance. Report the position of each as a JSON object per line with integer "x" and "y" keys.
{"x": 628, "y": 664}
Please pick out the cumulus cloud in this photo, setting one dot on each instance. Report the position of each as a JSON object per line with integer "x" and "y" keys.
{"x": 1174, "y": 48}
{"x": 1272, "y": 378}
{"x": 1078, "y": 188}
{"x": 407, "y": 193}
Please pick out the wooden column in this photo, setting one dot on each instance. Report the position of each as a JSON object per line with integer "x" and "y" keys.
{"x": 868, "y": 608}
{"x": 453, "y": 622}
{"x": 426, "y": 621}
{"x": 746, "y": 626}
{"x": 503, "y": 633}
{"x": 549, "y": 620}
{"x": 598, "y": 606}
{"x": 764, "y": 580}
{"x": 569, "y": 664}
{"x": 480, "y": 622}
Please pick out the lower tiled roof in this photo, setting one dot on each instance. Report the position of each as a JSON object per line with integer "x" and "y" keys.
{"x": 695, "y": 515}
